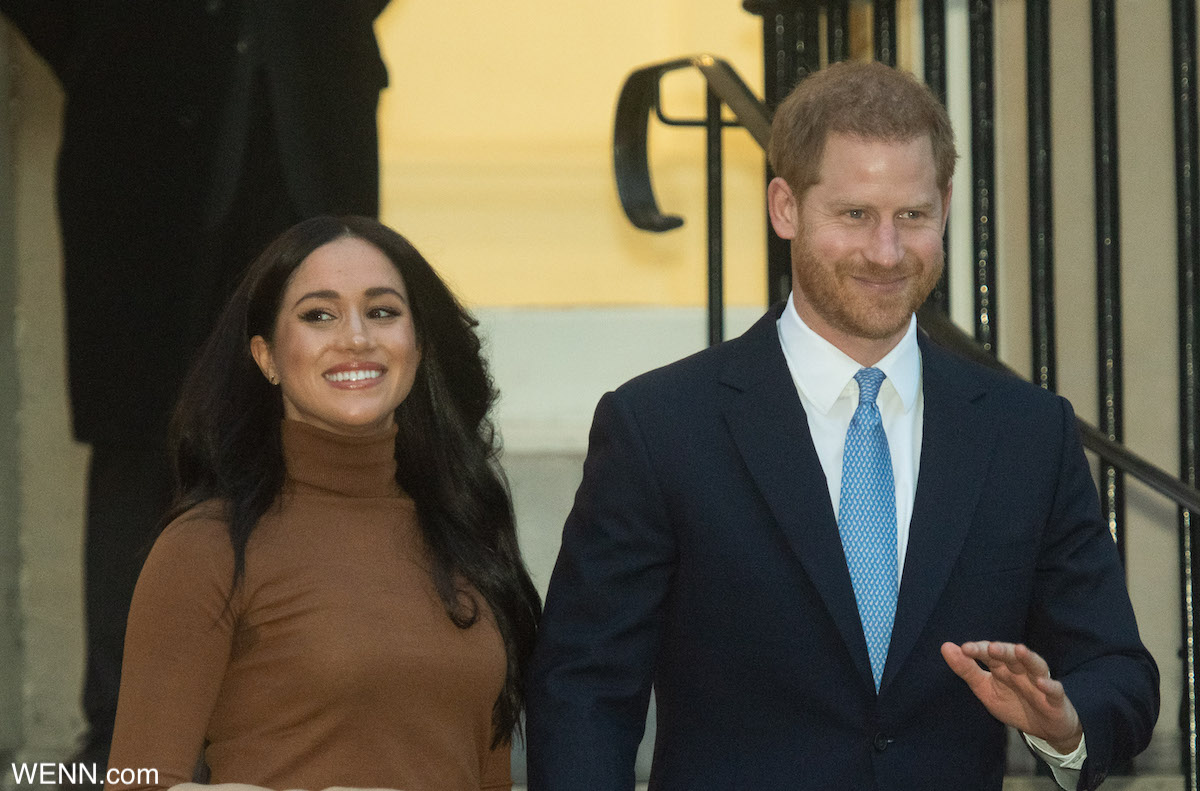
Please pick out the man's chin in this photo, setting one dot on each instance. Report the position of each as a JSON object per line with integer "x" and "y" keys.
{"x": 877, "y": 326}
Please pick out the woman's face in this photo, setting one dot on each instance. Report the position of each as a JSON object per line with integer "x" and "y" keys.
{"x": 345, "y": 351}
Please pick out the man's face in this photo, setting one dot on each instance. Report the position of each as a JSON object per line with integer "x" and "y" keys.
{"x": 866, "y": 241}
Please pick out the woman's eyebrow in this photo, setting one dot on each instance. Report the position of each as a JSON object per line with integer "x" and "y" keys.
{"x": 375, "y": 291}
{"x": 324, "y": 294}
{"x": 379, "y": 291}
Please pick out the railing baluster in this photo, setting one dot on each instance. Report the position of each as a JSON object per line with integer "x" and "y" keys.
{"x": 933, "y": 21}
{"x": 933, "y": 16}
{"x": 1041, "y": 201}
{"x": 713, "y": 126}
{"x": 837, "y": 30}
{"x": 1187, "y": 207}
{"x": 1108, "y": 259}
{"x": 808, "y": 45}
{"x": 790, "y": 51}
{"x": 983, "y": 172}
{"x": 883, "y": 21}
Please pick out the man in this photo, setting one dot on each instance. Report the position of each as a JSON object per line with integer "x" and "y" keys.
{"x": 844, "y": 558}
{"x": 194, "y": 132}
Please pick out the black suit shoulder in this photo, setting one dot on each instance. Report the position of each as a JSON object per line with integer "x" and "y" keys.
{"x": 1002, "y": 390}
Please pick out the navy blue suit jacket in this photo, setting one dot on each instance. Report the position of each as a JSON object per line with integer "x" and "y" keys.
{"x": 702, "y": 556}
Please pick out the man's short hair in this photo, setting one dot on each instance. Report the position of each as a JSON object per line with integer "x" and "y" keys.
{"x": 864, "y": 99}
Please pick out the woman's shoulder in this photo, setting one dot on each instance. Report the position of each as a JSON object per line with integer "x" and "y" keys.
{"x": 191, "y": 561}
{"x": 209, "y": 518}
{"x": 200, "y": 535}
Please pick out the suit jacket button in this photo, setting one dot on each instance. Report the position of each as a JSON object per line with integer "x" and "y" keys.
{"x": 880, "y": 742}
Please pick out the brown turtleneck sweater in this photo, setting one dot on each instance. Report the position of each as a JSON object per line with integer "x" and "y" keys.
{"x": 336, "y": 663}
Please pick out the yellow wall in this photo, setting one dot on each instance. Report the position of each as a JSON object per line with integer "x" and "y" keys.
{"x": 496, "y": 149}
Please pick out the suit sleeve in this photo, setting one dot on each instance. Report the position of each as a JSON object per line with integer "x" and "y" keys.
{"x": 1083, "y": 623}
{"x": 592, "y": 670}
{"x": 177, "y": 648}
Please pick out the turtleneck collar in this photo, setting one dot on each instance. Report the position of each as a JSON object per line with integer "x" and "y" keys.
{"x": 333, "y": 463}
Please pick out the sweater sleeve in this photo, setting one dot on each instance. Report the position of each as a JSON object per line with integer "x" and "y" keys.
{"x": 177, "y": 647}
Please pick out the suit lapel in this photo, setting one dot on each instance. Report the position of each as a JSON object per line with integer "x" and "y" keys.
{"x": 956, "y": 448}
{"x": 771, "y": 432}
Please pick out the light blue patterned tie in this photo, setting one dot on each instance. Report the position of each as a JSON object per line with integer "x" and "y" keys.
{"x": 867, "y": 520}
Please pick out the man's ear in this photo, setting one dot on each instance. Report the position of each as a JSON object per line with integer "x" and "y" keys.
{"x": 260, "y": 350}
{"x": 782, "y": 208}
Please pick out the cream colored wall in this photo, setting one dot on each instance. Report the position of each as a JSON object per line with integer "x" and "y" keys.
{"x": 52, "y": 464}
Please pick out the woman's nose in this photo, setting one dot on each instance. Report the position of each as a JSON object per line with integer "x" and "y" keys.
{"x": 356, "y": 334}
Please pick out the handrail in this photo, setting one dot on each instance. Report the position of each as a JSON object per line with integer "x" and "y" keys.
{"x": 639, "y": 97}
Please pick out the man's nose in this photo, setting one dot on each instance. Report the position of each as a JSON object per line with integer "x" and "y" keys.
{"x": 885, "y": 247}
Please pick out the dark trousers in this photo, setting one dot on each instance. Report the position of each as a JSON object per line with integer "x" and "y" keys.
{"x": 129, "y": 488}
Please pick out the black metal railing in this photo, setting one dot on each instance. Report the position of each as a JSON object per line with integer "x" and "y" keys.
{"x": 792, "y": 50}
{"x": 1110, "y": 360}
{"x": 1041, "y": 194}
{"x": 641, "y": 96}
{"x": 1187, "y": 205}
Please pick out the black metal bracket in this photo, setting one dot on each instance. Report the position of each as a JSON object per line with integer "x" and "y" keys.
{"x": 640, "y": 96}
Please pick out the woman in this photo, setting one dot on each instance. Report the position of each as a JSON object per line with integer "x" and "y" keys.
{"x": 340, "y": 598}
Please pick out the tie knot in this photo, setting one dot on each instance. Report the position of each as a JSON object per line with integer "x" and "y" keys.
{"x": 869, "y": 380}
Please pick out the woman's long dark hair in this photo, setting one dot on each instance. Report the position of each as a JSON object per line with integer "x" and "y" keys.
{"x": 226, "y": 444}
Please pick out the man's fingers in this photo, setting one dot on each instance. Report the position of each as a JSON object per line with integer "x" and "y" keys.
{"x": 1010, "y": 665}
{"x": 964, "y": 666}
{"x": 1011, "y": 661}
{"x": 1033, "y": 660}
{"x": 1052, "y": 689}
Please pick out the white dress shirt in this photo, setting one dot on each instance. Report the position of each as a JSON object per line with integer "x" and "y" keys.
{"x": 824, "y": 378}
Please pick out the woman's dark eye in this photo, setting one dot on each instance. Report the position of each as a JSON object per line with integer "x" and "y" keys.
{"x": 316, "y": 315}
{"x": 383, "y": 313}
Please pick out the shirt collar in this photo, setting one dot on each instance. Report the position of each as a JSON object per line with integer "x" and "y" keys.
{"x": 822, "y": 370}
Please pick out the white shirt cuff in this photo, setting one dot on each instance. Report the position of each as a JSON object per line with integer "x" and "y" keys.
{"x": 1065, "y": 768}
